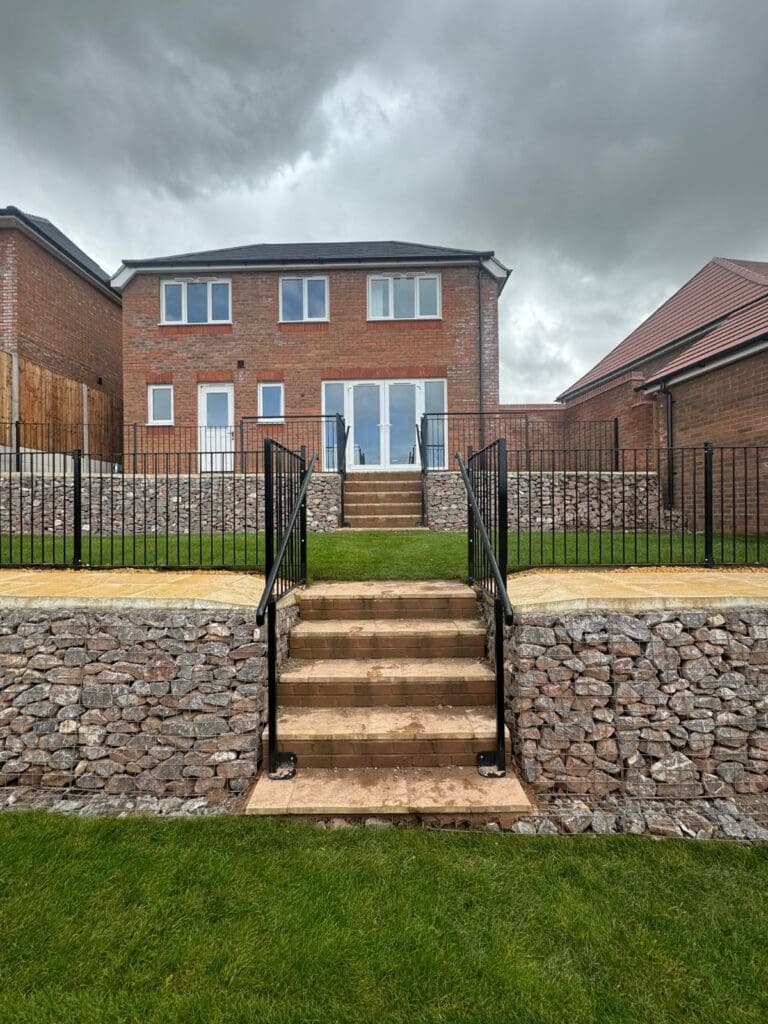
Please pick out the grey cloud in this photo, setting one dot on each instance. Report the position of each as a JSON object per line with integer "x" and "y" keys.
{"x": 605, "y": 150}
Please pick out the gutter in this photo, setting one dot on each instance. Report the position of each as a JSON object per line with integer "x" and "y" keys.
{"x": 705, "y": 367}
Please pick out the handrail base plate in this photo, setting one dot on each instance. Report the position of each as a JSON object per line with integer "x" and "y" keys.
{"x": 286, "y": 767}
{"x": 488, "y": 767}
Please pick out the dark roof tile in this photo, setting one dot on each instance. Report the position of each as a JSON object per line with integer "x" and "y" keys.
{"x": 59, "y": 240}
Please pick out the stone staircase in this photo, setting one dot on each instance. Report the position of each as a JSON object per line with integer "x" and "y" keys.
{"x": 382, "y": 501}
{"x": 386, "y": 700}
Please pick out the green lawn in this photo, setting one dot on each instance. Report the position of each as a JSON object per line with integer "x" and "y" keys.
{"x": 386, "y": 555}
{"x": 233, "y": 920}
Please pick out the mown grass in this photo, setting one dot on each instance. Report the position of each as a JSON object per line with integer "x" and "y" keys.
{"x": 235, "y": 920}
{"x": 386, "y": 555}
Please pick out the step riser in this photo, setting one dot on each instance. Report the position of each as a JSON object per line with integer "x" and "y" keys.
{"x": 392, "y": 480}
{"x": 386, "y": 647}
{"x": 371, "y": 697}
{"x": 383, "y": 754}
{"x": 383, "y": 522}
{"x": 383, "y": 497}
{"x": 402, "y": 608}
{"x": 373, "y": 508}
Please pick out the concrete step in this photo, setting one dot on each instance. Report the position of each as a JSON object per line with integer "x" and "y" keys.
{"x": 388, "y": 600}
{"x": 388, "y": 638}
{"x": 376, "y": 737}
{"x": 441, "y": 795}
{"x": 392, "y": 522}
{"x": 375, "y": 682}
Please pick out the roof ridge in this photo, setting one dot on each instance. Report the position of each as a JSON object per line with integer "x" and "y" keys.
{"x": 738, "y": 267}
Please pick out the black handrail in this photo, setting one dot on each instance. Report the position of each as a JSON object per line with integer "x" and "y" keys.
{"x": 491, "y": 763}
{"x": 342, "y": 436}
{"x": 421, "y": 444}
{"x": 281, "y": 765}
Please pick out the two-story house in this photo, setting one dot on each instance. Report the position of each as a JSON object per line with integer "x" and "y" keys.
{"x": 379, "y": 332}
{"x": 60, "y": 342}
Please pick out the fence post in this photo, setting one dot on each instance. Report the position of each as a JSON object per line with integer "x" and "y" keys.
{"x": 303, "y": 519}
{"x": 77, "y": 507}
{"x": 470, "y": 523}
{"x": 527, "y": 445}
{"x": 242, "y": 447}
{"x": 135, "y": 445}
{"x": 616, "y": 444}
{"x": 269, "y": 511}
{"x": 709, "y": 510}
{"x": 17, "y": 443}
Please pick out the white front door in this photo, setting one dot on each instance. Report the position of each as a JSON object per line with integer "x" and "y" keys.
{"x": 215, "y": 427}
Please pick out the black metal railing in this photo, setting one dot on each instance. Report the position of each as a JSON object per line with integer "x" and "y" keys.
{"x": 697, "y": 506}
{"x": 485, "y": 479}
{"x": 442, "y": 433}
{"x": 341, "y": 432}
{"x": 286, "y": 480}
{"x": 423, "y": 467}
{"x": 194, "y": 510}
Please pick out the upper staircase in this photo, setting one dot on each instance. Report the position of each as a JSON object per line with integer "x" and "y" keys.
{"x": 382, "y": 501}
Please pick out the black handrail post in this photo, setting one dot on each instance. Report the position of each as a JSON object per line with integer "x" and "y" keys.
{"x": 709, "y": 512}
{"x": 470, "y": 524}
{"x": 503, "y": 523}
{"x": 77, "y": 508}
{"x": 17, "y": 441}
{"x": 498, "y": 644}
{"x": 303, "y": 520}
{"x": 341, "y": 461}
{"x": 269, "y": 510}
{"x": 272, "y": 687}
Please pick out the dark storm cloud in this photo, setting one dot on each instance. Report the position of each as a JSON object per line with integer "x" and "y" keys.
{"x": 605, "y": 150}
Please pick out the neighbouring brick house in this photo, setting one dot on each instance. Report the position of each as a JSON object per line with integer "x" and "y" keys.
{"x": 379, "y": 332}
{"x": 60, "y": 341}
{"x": 696, "y": 370}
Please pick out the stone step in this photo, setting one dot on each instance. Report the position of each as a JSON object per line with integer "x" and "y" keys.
{"x": 371, "y": 682}
{"x": 388, "y": 638}
{"x": 394, "y": 479}
{"x": 392, "y": 522}
{"x": 388, "y": 600}
{"x": 444, "y": 795}
{"x": 359, "y": 494}
{"x": 376, "y": 737}
{"x": 373, "y": 508}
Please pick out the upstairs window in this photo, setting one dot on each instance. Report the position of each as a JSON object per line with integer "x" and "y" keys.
{"x": 303, "y": 298}
{"x": 196, "y": 302}
{"x": 404, "y": 297}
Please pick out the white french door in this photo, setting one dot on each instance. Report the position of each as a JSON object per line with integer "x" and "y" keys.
{"x": 215, "y": 427}
{"x": 382, "y": 418}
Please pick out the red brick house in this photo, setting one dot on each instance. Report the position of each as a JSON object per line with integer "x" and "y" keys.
{"x": 696, "y": 370}
{"x": 60, "y": 341}
{"x": 379, "y": 332}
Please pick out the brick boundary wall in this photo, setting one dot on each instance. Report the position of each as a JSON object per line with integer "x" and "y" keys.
{"x": 560, "y": 500}
{"x": 133, "y": 701}
{"x": 668, "y": 705}
{"x": 150, "y": 504}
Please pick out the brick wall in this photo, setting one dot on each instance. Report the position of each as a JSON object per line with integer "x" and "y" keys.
{"x": 304, "y": 354}
{"x": 63, "y": 323}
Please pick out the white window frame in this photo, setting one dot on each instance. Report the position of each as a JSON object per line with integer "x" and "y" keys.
{"x": 390, "y": 278}
{"x": 151, "y": 421}
{"x": 209, "y": 281}
{"x": 305, "y": 305}
{"x": 272, "y": 384}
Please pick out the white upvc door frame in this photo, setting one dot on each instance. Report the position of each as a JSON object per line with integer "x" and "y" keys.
{"x": 384, "y": 424}
{"x": 216, "y": 445}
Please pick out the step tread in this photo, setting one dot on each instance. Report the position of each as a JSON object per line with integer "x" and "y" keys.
{"x": 391, "y": 791}
{"x": 317, "y": 628}
{"x": 386, "y": 723}
{"x": 387, "y": 589}
{"x": 423, "y": 670}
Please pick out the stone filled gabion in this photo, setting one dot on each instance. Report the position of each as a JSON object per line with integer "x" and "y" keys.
{"x": 559, "y": 501}
{"x": 114, "y": 504}
{"x": 670, "y": 705}
{"x": 158, "y": 703}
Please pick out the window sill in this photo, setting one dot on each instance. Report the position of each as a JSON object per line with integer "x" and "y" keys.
{"x": 403, "y": 319}
{"x": 264, "y": 419}
{"x": 162, "y": 423}
{"x": 304, "y": 323}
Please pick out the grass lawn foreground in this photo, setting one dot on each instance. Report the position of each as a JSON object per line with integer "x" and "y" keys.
{"x": 237, "y": 920}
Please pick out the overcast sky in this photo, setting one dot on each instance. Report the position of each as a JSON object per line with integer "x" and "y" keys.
{"x": 605, "y": 150}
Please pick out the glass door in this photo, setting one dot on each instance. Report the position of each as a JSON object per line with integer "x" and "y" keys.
{"x": 366, "y": 439}
{"x": 401, "y": 424}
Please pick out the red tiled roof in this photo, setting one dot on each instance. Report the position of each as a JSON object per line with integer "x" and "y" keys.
{"x": 747, "y": 325}
{"x": 718, "y": 289}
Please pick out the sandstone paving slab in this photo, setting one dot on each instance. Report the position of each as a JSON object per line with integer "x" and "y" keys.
{"x": 363, "y": 791}
{"x": 636, "y": 589}
{"x": 120, "y": 588}
{"x": 386, "y": 723}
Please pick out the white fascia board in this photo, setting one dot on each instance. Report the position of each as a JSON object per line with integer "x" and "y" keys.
{"x": 125, "y": 274}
